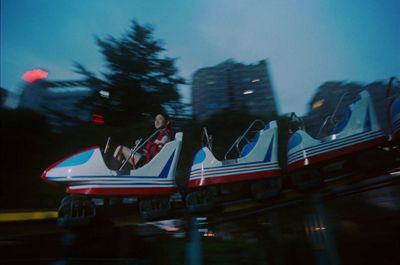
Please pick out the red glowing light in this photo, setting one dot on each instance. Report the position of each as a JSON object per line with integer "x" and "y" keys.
{"x": 98, "y": 121}
{"x": 97, "y": 118}
{"x": 35, "y": 74}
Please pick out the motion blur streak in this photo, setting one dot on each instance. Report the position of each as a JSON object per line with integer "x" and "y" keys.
{"x": 26, "y": 216}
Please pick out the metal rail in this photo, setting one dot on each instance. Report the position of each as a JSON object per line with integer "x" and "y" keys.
{"x": 331, "y": 118}
{"x": 241, "y": 137}
{"x": 207, "y": 139}
{"x": 138, "y": 145}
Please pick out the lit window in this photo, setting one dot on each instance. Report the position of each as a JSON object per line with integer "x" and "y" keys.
{"x": 97, "y": 118}
{"x": 318, "y": 103}
{"x": 104, "y": 94}
{"x": 248, "y": 92}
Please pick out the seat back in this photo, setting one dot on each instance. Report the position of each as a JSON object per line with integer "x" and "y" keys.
{"x": 249, "y": 146}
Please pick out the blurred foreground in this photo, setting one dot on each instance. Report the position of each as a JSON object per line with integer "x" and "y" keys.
{"x": 358, "y": 226}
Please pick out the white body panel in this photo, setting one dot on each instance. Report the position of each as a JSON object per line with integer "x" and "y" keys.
{"x": 86, "y": 172}
{"x": 361, "y": 130}
{"x": 260, "y": 162}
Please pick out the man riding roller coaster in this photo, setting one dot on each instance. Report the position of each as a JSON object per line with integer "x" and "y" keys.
{"x": 162, "y": 123}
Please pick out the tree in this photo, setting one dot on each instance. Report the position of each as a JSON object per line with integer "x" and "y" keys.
{"x": 138, "y": 80}
{"x": 3, "y": 96}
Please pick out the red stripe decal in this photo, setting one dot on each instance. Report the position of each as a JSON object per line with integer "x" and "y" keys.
{"x": 233, "y": 178}
{"x": 123, "y": 191}
{"x": 335, "y": 153}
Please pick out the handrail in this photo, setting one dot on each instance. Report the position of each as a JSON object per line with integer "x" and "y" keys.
{"x": 323, "y": 125}
{"x": 208, "y": 139}
{"x": 331, "y": 117}
{"x": 390, "y": 85}
{"x": 138, "y": 145}
{"x": 294, "y": 118}
{"x": 107, "y": 145}
{"x": 241, "y": 137}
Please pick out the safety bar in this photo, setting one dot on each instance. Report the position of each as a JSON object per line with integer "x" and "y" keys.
{"x": 138, "y": 145}
{"x": 241, "y": 137}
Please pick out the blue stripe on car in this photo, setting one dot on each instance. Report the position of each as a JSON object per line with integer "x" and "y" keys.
{"x": 76, "y": 160}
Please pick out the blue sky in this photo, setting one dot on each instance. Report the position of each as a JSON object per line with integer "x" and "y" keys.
{"x": 306, "y": 42}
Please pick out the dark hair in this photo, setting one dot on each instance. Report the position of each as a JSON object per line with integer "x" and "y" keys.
{"x": 164, "y": 114}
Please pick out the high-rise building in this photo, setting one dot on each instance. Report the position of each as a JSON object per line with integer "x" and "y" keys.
{"x": 57, "y": 100}
{"x": 231, "y": 85}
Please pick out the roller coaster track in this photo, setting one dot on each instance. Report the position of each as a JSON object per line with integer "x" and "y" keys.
{"x": 334, "y": 188}
{"x": 339, "y": 187}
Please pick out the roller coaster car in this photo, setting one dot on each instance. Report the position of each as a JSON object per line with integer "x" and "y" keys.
{"x": 393, "y": 95}
{"x": 88, "y": 178}
{"x": 395, "y": 120}
{"x": 356, "y": 139}
{"x": 255, "y": 169}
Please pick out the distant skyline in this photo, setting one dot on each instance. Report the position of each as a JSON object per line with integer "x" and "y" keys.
{"x": 305, "y": 42}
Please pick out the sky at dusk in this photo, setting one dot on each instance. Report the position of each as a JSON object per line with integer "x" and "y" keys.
{"x": 305, "y": 42}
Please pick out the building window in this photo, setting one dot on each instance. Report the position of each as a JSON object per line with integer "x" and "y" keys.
{"x": 248, "y": 92}
{"x": 317, "y": 104}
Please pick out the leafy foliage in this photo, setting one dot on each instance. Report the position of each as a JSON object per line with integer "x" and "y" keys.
{"x": 138, "y": 79}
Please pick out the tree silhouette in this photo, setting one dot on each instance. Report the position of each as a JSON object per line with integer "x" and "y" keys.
{"x": 138, "y": 78}
{"x": 3, "y": 96}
